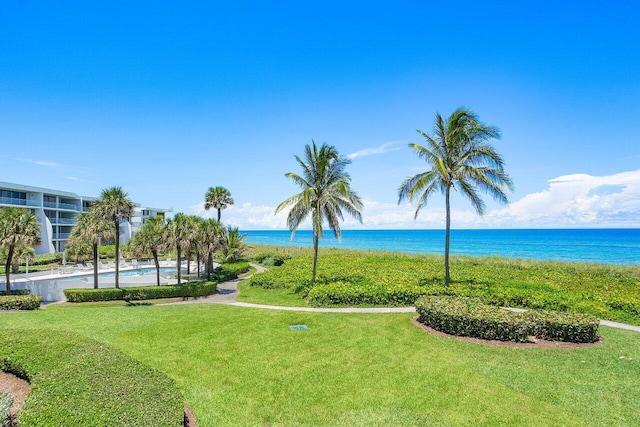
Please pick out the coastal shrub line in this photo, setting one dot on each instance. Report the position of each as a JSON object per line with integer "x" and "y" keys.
{"x": 77, "y": 381}
{"x": 471, "y": 318}
{"x": 20, "y": 302}
{"x": 605, "y": 291}
{"x": 137, "y": 293}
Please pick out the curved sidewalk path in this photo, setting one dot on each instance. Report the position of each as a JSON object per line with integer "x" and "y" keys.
{"x": 228, "y": 293}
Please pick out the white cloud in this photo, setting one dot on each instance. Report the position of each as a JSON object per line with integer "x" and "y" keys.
{"x": 41, "y": 163}
{"x": 578, "y": 200}
{"x": 246, "y": 216}
{"x": 384, "y": 148}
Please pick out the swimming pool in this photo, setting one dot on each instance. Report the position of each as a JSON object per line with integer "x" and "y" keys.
{"x": 52, "y": 288}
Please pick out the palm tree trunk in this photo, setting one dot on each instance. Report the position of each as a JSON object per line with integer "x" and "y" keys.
{"x": 95, "y": 265}
{"x": 117, "y": 252}
{"x": 209, "y": 266}
{"x": 189, "y": 261}
{"x": 315, "y": 256}
{"x": 447, "y": 235}
{"x": 198, "y": 261}
{"x": 219, "y": 214}
{"x": 155, "y": 260}
{"x": 178, "y": 264}
{"x": 7, "y": 270}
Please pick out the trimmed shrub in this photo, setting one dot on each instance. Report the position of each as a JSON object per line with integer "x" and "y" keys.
{"x": 77, "y": 381}
{"x": 85, "y": 295}
{"x": 344, "y": 293}
{"x": 564, "y": 326}
{"x": 230, "y": 270}
{"x": 470, "y": 317}
{"x": 20, "y": 302}
{"x": 193, "y": 289}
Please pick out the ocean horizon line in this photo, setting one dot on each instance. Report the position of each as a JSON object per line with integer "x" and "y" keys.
{"x": 595, "y": 245}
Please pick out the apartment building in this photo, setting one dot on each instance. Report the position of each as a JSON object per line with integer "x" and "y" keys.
{"x": 57, "y": 212}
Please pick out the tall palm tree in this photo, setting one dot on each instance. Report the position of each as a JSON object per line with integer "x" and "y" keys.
{"x": 18, "y": 226}
{"x": 150, "y": 239}
{"x": 114, "y": 205}
{"x": 193, "y": 227}
{"x": 177, "y": 236}
{"x": 211, "y": 235}
{"x": 91, "y": 228}
{"x": 461, "y": 157}
{"x": 326, "y": 193}
{"x": 218, "y": 198}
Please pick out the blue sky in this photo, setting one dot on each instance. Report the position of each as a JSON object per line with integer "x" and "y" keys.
{"x": 167, "y": 99}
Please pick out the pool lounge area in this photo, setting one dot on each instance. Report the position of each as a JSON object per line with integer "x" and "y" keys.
{"x": 51, "y": 285}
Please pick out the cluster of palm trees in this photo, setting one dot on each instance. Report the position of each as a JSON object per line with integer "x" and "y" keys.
{"x": 19, "y": 232}
{"x": 459, "y": 155}
{"x": 458, "y": 152}
{"x": 186, "y": 235}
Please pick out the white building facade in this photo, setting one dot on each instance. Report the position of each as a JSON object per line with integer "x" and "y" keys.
{"x": 57, "y": 212}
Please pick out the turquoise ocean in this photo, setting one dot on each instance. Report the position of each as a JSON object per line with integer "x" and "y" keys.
{"x": 609, "y": 246}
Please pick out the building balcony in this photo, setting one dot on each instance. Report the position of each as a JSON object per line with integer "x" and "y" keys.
{"x": 69, "y": 221}
{"x": 17, "y": 202}
{"x": 67, "y": 206}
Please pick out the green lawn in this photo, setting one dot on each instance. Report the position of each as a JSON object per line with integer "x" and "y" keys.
{"x": 241, "y": 366}
{"x": 282, "y": 297}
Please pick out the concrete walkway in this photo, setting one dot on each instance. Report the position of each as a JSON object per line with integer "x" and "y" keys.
{"x": 228, "y": 294}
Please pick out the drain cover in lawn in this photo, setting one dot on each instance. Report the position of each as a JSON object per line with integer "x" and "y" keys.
{"x": 298, "y": 327}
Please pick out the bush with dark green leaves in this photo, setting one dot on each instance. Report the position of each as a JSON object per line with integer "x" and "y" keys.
{"x": 137, "y": 293}
{"x": 20, "y": 302}
{"x": 230, "y": 270}
{"x": 77, "y": 381}
{"x": 564, "y": 326}
{"x": 471, "y": 317}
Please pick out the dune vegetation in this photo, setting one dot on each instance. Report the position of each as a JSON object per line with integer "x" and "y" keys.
{"x": 348, "y": 277}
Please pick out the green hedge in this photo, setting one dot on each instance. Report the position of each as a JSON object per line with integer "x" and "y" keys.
{"x": 564, "y": 326}
{"x": 230, "y": 270}
{"x": 470, "y": 317}
{"x": 77, "y": 381}
{"x": 192, "y": 289}
{"x": 344, "y": 293}
{"x": 20, "y": 302}
{"x": 45, "y": 259}
{"x": 16, "y": 292}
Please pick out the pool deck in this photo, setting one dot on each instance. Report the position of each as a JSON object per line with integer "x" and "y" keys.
{"x": 51, "y": 284}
